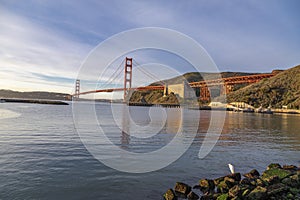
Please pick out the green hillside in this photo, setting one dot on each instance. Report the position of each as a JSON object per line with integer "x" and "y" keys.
{"x": 280, "y": 90}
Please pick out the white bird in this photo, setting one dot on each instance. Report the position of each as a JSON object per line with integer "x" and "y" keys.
{"x": 231, "y": 167}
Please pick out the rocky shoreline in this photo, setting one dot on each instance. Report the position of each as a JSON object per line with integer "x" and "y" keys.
{"x": 275, "y": 183}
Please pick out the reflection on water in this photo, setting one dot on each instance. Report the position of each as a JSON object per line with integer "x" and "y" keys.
{"x": 6, "y": 114}
{"x": 143, "y": 129}
{"x": 42, "y": 157}
{"x": 270, "y": 129}
{"x": 151, "y": 117}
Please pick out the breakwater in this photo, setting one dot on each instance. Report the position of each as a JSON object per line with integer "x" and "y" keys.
{"x": 276, "y": 182}
{"x": 167, "y": 105}
{"x": 34, "y": 101}
{"x": 287, "y": 111}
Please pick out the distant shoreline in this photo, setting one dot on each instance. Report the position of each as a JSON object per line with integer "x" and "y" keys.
{"x": 58, "y": 102}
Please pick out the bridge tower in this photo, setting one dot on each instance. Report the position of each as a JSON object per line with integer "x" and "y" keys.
{"x": 77, "y": 88}
{"x": 204, "y": 93}
{"x": 127, "y": 77}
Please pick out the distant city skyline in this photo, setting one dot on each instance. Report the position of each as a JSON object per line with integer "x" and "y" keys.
{"x": 43, "y": 43}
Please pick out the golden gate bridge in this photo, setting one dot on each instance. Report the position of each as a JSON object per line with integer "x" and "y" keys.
{"x": 226, "y": 84}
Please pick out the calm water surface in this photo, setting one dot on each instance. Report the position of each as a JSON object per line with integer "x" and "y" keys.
{"x": 42, "y": 157}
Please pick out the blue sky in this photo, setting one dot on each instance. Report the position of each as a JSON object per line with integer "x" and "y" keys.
{"x": 44, "y": 42}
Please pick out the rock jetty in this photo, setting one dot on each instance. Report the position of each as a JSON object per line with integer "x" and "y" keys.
{"x": 275, "y": 183}
{"x": 34, "y": 101}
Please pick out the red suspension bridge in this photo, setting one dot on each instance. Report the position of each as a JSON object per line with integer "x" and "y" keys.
{"x": 226, "y": 84}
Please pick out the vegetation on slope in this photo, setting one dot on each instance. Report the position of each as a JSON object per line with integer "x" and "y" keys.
{"x": 280, "y": 90}
{"x": 153, "y": 97}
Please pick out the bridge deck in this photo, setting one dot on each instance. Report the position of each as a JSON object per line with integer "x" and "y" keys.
{"x": 199, "y": 84}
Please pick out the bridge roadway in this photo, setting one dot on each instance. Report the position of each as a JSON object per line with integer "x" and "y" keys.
{"x": 160, "y": 87}
{"x": 200, "y": 84}
{"x": 231, "y": 80}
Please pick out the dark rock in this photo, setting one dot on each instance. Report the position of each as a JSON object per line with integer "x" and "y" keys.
{"x": 276, "y": 183}
{"x": 235, "y": 191}
{"x": 192, "y": 196}
{"x": 274, "y": 166}
{"x": 235, "y": 176}
{"x": 281, "y": 173}
{"x": 295, "y": 191}
{"x": 216, "y": 195}
{"x": 253, "y": 174}
{"x": 235, "y": 198}
{"x": 245, "y": 193}
{"x": 222, "y": 187}
{"x": 272, "y": 180}
{"x": 249, "y": 182}
{"x": 291, "y": 168}
{"x": 223, "y": 197}
{"x": 260, "y": 182}
{"x": 180, "y": 195}
{"x": 170, "y": 195}
{"x": 276, "y": 189}
{"x": 207, "y": 197}
{"x": 218, "y": 180}
{"x": 295, "y": 180}
{"x": 290, "y": 181}
{"x": 206, "y": 185}
{"x": 253, "y": 182}
{"x": 298, "y": 174}
{"x": 246, "y": 181}
{"x": 182, "y": 188}
{"x": 257, "y": 194}
{"x": 230, "y": 182}
{"x": 290, "y": 196}
{"x": 196, "y": 187}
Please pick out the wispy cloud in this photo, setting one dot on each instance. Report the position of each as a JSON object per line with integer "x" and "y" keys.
{"x": 28, "y": 48}
{"x": 43, "y": 43}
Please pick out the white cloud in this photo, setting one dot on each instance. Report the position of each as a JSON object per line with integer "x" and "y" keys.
{"x": 26, "y": 48}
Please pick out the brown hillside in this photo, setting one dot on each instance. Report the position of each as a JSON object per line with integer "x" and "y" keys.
{"x": 282, "y": 89}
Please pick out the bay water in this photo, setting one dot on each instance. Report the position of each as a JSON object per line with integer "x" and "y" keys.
{"x": 42, "y": 155}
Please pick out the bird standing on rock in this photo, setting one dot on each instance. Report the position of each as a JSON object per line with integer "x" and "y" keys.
{"x": 231, "y": 167}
